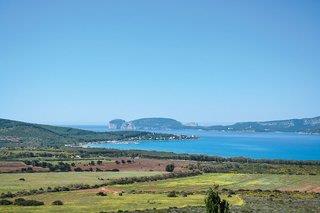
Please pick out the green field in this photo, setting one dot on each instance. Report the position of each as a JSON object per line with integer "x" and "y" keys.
{"x": 149, "y": 195}
{"x": 88, "y": 201}
{"x": 230, "y": 181}
{"x": 11, "y": 182}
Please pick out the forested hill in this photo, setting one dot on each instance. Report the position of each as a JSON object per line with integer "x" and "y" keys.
{"x": 305, "y": 125}
{"x": 16, "y": 133}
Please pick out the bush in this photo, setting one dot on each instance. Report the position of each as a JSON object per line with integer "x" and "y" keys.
{"x": 78, "y": 169}
{"x": 184, "y": 194}
{"x": 102, "y": 194}
{"x": 5, "y": 202}
{"x": 172, "y": 194}
{"x": 170, "y": 167}
{"x": 7, "y": 195}
{"x": 57, "y": 203}
{"x": 19, "y": 200}
{"x": 24, "y": 202}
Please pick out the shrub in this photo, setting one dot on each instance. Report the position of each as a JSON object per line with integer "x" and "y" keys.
{"x": 7, "y": 195}
{"x": 19, "y": 200}
{"x": 57, "y": 203}
{"x": 102, "y": 194}
{"x": 172, "y": 194}
{"x": 5, "y": 202}
{"x": 78, "y": 169}
{"x": 24, "y": 202}
{"x": 170, "y": 167}
{"x": 184, "y": 194}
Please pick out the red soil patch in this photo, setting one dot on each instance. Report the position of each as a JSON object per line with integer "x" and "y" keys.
{"x": 316, "y": 189}
{"x": 129, "y": 164}
{"x": 17, "y": 166}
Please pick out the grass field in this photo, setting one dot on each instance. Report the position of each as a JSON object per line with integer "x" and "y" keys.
{"x": 153, "y": 194}
{"x": 10, "y": 181}
{"x": 230, "y": 181}
{"x": 88, "y": 201}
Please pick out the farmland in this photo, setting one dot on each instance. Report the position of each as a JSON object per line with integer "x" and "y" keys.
{"x": 88, "y": 201}
{"x": 233, "y": 182}
{"x": 11, "y": 182}
{"x": 153, "y": 194}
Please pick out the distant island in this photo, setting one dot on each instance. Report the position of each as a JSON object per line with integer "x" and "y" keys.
{"x": 304, "y": 125}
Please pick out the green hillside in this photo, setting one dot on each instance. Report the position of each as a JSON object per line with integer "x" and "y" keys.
{"x": 16, "y": 133}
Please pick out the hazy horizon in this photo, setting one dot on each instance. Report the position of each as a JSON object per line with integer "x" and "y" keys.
{"x": 87, "y": 62}
{"x": 105, "y": 123}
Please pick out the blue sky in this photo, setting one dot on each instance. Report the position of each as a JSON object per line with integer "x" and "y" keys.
{"x": 77, "y": 62}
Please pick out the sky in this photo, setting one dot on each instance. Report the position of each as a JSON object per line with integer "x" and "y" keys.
{"x": 215, "y": 61}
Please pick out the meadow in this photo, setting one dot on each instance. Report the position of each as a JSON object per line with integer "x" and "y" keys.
{"x": 154, "y": 194}
{"x": 88, "y": 201}
{"x": 248, "y": 185}
{"x": 230, "y": 181}
{"x": 10, "y": 181}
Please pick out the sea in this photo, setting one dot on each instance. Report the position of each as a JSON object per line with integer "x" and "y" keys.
{"x": 275, "y": 145}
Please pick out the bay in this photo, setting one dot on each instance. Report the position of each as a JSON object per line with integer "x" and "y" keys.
{"x": 291, "y": 146}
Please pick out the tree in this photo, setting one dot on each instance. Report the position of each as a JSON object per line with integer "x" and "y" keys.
{"x": 5, "y": 202}
{"x": 212, "y": 201}
{"x": 214, "y": 204}
{"x": 57, "y": 203}
{"x": 224, "y": 206}
{"x": 170, "y": 167}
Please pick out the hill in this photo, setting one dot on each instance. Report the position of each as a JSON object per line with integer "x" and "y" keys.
{"x": 157, "y": 123}
{"x": 146, "y": 124}
{"x": 16, "y": 133}
{"x": 304, "y": 125}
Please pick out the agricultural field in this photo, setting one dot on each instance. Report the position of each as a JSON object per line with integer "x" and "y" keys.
{"x": 88, "y": 201}
{"x": 11, "y": 181}
{"x": 154, "y": 195}
{"x": 112, "y": 181}
{"x": 302, "y": 183}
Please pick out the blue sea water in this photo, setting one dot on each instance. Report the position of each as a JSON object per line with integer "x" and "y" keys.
{"x": 291, "y": 146}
